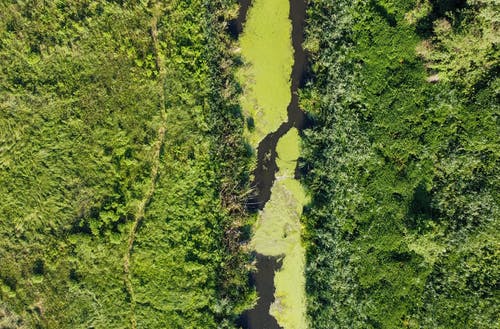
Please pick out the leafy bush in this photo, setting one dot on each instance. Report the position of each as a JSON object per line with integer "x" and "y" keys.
{"x": 402, "y": 174}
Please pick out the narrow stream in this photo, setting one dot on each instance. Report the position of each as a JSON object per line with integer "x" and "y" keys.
{"x": 266, "y": 155}
{"x": 236, "y": 25}
{"x": 264, "y": 174}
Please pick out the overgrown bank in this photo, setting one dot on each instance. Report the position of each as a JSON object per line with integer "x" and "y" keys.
{"x": 83, "y": 88}
{"x": 402, "y": 164}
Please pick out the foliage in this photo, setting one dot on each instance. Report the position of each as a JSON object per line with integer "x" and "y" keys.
{"x": 464, "y": 43}
{"x": 82, "y": 88}
{"x": 402, "y": 230}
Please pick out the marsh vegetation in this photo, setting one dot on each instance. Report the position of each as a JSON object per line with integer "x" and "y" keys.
{"x": 402, "y": 164}
{"x": 148, "y": 150}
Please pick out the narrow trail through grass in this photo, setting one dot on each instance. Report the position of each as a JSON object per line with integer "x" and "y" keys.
{"x": 139, "y": 215}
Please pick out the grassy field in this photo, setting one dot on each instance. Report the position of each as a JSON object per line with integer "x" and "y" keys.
{"x": 121, "y": 166}
{"x": 127, "y": 130}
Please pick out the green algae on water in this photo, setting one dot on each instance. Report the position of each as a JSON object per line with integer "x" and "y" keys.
{"x": 267, "y": 50}
{"x": 268, "y": 53}
{"x": 278, "y": 233}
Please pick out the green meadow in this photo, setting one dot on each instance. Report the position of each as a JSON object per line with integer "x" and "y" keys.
{"x": 121, "y": 159}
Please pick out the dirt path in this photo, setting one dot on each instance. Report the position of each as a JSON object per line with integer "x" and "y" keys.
{"x": 139, "y": 215}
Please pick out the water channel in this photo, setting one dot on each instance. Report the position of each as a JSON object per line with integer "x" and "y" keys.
{"x": 278, "y": 196}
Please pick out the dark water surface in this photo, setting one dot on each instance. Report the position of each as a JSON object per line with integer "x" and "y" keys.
{"x": 264, "y": 174}
{"x": 266, "y": 168}
{"x": 236, "y": 25}
{"x": 263, "y": 280}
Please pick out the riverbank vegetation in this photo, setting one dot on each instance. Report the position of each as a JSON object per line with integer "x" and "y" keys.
{"x": 402, "y": 164}
{"x": 122, "y": 166}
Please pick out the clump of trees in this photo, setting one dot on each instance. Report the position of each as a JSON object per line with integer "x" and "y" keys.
{"x": 462, "y": 47}
{"x": 402, "y": 231}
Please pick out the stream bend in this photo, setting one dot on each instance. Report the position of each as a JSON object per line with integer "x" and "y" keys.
{"x": 266, "y": 169}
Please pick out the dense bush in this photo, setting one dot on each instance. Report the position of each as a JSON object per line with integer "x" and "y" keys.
{"x": 403, "y": 167}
